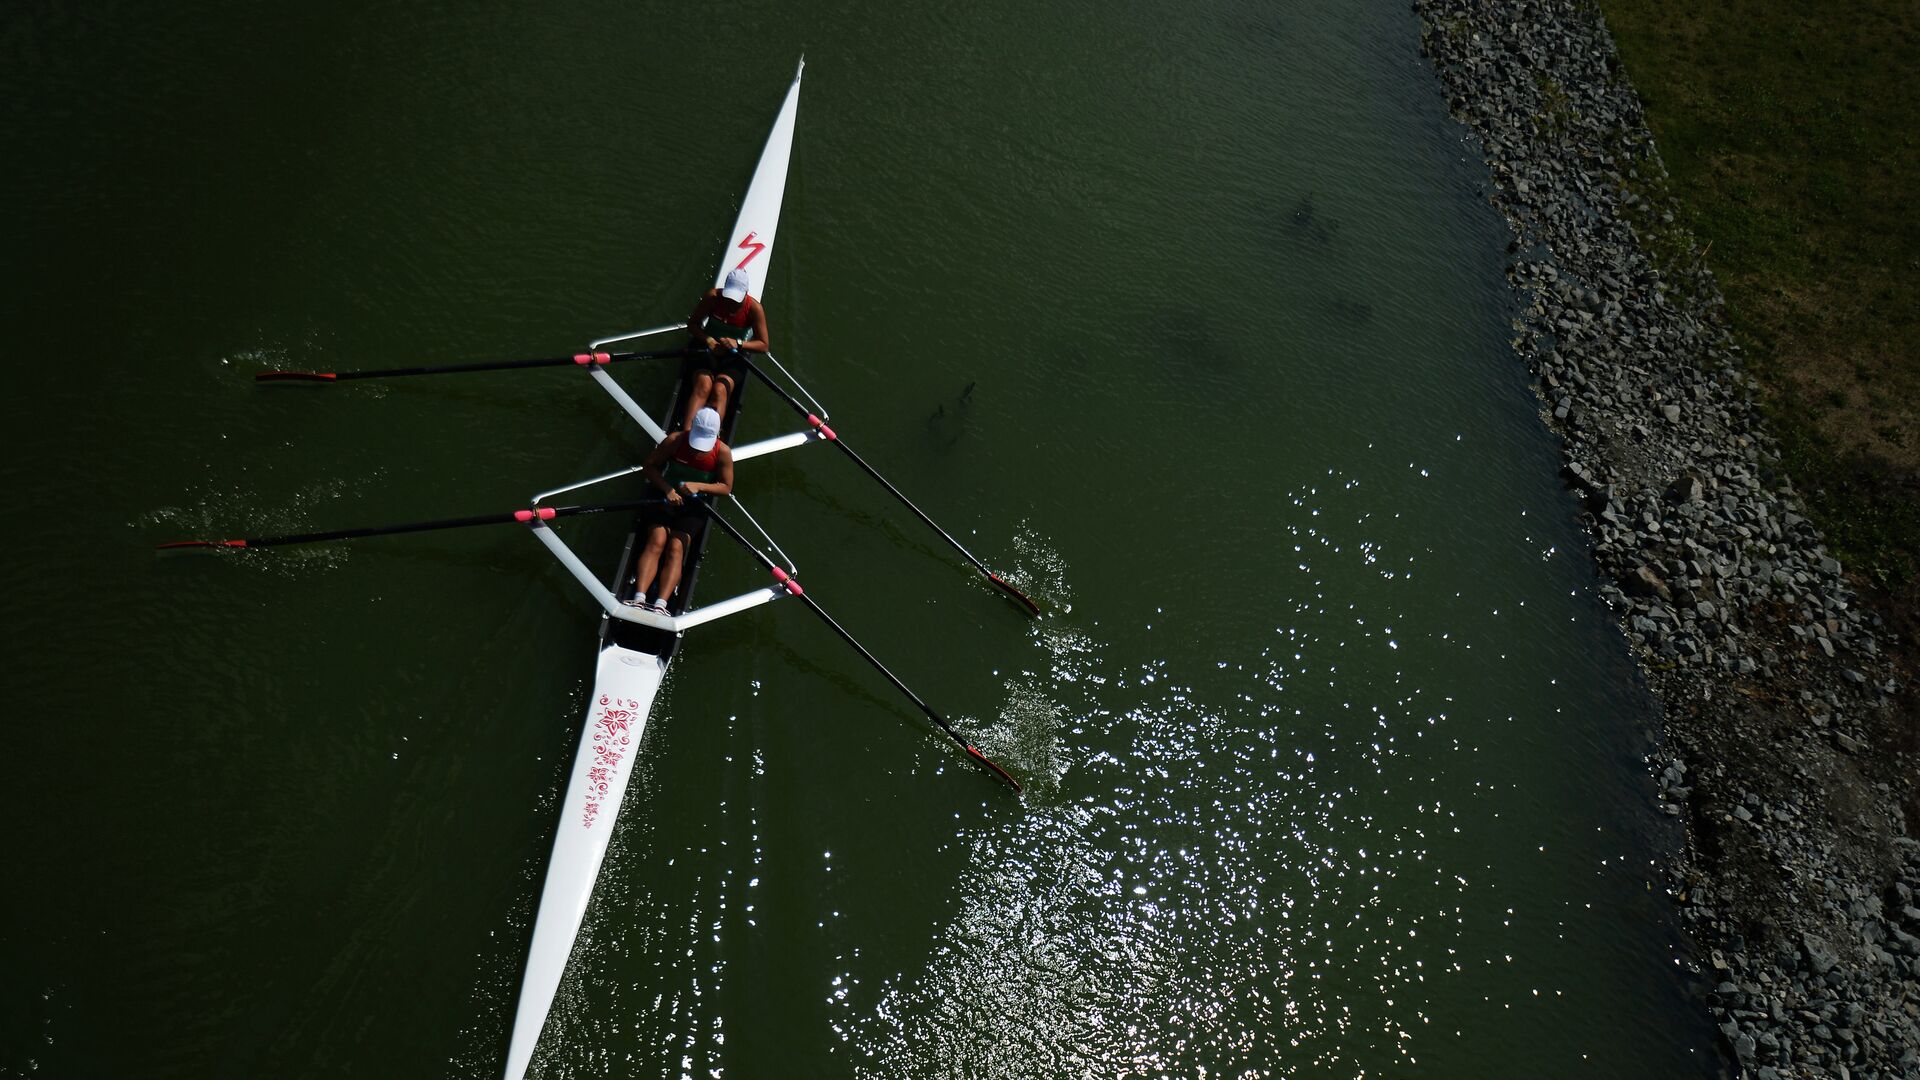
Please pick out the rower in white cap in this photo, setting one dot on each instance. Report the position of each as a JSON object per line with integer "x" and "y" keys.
{"x": 695, "y": 462}
{"x": 725, "y": 323}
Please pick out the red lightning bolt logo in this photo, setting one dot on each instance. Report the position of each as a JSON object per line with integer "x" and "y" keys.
{"x": 751, "y": 248}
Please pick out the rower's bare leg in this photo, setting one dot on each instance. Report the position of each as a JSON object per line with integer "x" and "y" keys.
{"x": 650, "y": 561}
{"x": 722, "y": 389}
{"x": 670, "y": 564}
{"x": 697, "y": 397}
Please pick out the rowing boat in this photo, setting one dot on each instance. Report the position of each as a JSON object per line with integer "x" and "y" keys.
{"x": 634, "y": 655}
{"x": 637, "y": 644}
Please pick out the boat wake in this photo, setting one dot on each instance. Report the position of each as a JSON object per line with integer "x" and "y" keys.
{"x": 212, "y": 514}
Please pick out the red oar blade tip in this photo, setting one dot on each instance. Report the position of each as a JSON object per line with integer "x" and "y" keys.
{"x": 995, "y": 767}
{"x": 1025, "y": 600}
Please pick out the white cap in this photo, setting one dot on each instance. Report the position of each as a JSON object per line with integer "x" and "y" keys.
{"x": 706, "y": 429}
{"x": 736, "y": 286}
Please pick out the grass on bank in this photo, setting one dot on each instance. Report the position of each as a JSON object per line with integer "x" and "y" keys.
{"x": 1792, "y": 136}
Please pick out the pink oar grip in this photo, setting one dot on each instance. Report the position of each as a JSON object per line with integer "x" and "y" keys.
{"x": 786, "y": 579}
{"x": 545, "y": 513}
{"x": 584, "y": 359}
{"x": 820, "y": 426}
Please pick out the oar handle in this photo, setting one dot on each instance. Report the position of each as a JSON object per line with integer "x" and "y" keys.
{"x": 577, "y": 359}
{"x": 813, "y": 605}
{"x": 829, "y": 435}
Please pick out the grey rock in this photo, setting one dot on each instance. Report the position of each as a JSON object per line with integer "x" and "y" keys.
{"x": 1819, "y": 953}
{"x": 1687, "y": 489}
{"x": 1643, "y": 582}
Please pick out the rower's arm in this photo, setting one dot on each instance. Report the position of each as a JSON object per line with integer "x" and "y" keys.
{"x": 724, "y": 485}
{"x": 650, "y": 468}
{"x": 759, "y": 342}
{"x": 699, "y": 317}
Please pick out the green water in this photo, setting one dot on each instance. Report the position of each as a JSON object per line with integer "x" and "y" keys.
{"x": 1191, "y": 321}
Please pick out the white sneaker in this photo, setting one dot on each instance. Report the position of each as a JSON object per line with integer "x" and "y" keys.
{"x": 658, "y": 607}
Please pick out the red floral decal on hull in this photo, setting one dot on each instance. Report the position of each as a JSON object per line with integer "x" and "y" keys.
{"x": 612, "y": 734}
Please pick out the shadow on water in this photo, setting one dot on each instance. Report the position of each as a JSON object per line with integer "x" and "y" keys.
{"x": 947, "y": 425}
{"x": 1351, "y": 314}
{"x": 1305, "y": 222}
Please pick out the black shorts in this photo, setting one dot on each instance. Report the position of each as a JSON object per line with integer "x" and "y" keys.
{"x": 677, "y": 519}
{"x": 720, "y": 363}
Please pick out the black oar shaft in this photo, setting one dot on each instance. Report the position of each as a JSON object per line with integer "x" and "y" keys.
{"x": 814, "y": 606}
{"x": 456, "y": 369}
{"x": 509, "y": 517}
{"x": 1025, "y": 600}
{"x": 578, "y": 359}
{"x": 374, "y": 530}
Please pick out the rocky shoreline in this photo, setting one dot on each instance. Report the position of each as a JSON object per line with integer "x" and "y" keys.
{"x": 1788, "y": 749}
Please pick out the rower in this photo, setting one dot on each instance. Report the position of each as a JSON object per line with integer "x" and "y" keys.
{"x": 696, "y": 463}
{"x": 725, "y": 323}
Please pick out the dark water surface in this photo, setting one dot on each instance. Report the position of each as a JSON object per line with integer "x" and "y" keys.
{"x": 1333, "y": 759}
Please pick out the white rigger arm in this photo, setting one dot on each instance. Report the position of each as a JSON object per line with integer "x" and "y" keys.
{"x": 617, "y": 392}
{"x": 617, "y": 610}
{"x": 654, "y": 431}
{"x": 775, "y": 444}
{"x": 614, "y": 475}
{"x": 730, "y": 606}
{"x": 650, "y": 332}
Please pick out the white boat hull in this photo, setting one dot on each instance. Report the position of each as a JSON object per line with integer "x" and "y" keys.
{"x": 750, "y": 247}
{"x": 627, "y": 680}
{"x": 624, "y": 686}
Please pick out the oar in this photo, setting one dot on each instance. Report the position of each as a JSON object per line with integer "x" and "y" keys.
{"x": 827, "y": 433}
{"x": 581, "y": 359}
{"x": 544, "y": 513}
{"x": 793, "y": 587}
